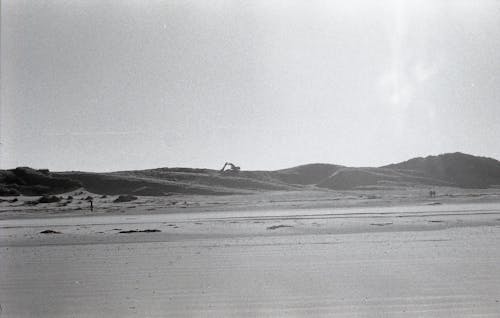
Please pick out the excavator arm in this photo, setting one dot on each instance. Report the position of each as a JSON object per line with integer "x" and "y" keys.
{"x": 224, "y": 167}
{"x": 232, "y": 167}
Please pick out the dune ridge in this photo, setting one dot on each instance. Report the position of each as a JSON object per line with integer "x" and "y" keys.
{"x": 451, "y": 169}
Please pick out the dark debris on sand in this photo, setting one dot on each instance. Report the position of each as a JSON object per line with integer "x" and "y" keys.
{"x": 50, "y": 232}
{"x": 125, "y": 198}
{"x": 140, "y": 231}
{"x": 274, "y": 227}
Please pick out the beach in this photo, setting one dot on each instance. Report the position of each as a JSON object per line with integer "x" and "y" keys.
{"x": 415, "y": 260}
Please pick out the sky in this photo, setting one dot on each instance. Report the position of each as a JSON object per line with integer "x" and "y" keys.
{"x": 102, "y": 85}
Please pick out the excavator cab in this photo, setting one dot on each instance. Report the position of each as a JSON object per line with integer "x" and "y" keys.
{"x": 229, "y": 168}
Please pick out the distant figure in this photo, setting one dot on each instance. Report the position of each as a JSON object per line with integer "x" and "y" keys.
{"x": 432, "y": 194}
{"x": 91, "y": 205}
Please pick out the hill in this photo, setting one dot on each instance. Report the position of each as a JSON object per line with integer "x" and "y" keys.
{"x": 307, "y": 174}
{"x": 453, "y": 169}
{"x": 457, "y": 168}
{"x": 377, "y": 178}
{"x": 28, "y": 181}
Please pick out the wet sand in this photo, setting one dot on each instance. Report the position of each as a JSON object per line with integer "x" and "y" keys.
{"x": 412, "y": 261}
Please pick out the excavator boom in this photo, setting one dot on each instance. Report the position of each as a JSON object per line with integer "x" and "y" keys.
{"x": 232, "y": 167}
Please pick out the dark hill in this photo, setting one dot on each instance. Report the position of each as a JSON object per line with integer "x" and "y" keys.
{"x": 459, "y": 169}
{"x": 28, "y": 181}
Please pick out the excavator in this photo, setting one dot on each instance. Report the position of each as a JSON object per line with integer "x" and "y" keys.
{"x": 232, "y": 168}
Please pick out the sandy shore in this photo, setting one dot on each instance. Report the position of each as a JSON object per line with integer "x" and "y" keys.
{"x": 75, "y": 203}
{"x": 413, "y": 261}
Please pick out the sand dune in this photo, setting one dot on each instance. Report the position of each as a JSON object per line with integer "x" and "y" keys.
{"x": 454, "y": 170}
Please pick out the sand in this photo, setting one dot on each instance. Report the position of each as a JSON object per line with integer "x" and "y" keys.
{"x": 75, "y": 203}
{"x": 418, "y": 260}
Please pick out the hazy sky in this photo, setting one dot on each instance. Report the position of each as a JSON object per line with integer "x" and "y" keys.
{"x": 113, "y": 85}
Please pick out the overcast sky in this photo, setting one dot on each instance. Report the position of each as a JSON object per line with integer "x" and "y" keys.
{"x": 113, "y": 85}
